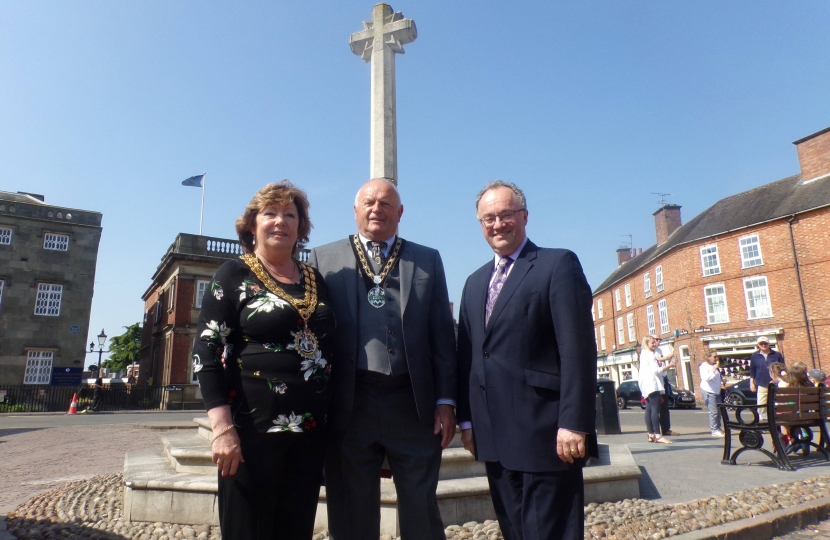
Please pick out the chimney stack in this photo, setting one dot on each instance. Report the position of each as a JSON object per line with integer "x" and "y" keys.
{"x": 814, "y": 156}
{"x": 666, "y": 221}
{"x": 623, "y": 255}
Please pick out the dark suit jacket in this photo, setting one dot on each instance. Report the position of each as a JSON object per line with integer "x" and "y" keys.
{"x": 429, "y": 336}
{"x": 533, "y": 369}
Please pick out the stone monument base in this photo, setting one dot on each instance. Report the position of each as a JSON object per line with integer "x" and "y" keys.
{"x": 178, "y": 484}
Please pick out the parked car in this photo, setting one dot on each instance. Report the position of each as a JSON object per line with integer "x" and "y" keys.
{"x": 740, "y": 394}
{"x": 629, "y": 393}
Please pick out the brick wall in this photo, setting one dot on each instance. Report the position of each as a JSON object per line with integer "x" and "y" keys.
{"x": 814, "y": 155}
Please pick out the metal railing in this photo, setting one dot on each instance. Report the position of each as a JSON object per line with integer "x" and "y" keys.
{"x": 46, "y": 398}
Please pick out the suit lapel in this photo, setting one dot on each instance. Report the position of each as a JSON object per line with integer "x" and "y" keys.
{"x": 479, "y": 283}
{"x": 350, "y": 279}
{"x": 520, "y": 269}
{"x": 406, "y": 269}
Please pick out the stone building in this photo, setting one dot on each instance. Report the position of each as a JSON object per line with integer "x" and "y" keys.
{"x": 47, "y": 270}
{"x": 171, "y": 314}
{"x": 756, "y": 263}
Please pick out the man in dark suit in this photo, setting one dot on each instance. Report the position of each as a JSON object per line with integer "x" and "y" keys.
{"x": 527, "y": 371}
{"x": 395, "y": 377}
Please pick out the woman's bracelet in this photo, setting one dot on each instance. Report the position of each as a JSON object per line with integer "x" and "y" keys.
{"x": 227, "y": 429}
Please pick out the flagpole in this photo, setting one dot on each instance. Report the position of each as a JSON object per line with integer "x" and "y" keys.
{"x": 202, "y": 211}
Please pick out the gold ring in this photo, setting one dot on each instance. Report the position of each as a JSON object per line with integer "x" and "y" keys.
{"x": 573, "y": 451}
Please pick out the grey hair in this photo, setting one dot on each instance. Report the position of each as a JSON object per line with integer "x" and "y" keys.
{"x": 518, "y": 194}
{"x": 388, "y": 181}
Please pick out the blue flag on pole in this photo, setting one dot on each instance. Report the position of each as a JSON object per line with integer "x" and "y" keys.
{"x": 195, "y": 181}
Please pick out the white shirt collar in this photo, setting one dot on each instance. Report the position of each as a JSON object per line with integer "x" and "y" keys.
{"x": 514, "y": 255}
{"x": 389, "y": 243}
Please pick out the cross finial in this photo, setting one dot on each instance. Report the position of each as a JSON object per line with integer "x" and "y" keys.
{"x": 387, "y": 29}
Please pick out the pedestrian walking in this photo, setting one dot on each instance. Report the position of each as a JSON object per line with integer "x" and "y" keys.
{"x": 664, "y": 354}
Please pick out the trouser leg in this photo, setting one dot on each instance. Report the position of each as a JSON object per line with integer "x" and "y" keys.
{"x": 665, "y": 416}
{"x": 653, "y": 413}
{"x": 537, "y": 506}
{"x": 353, "y": 477}
{"x": 414, "y": 454}
{"x": 762, "y": 395}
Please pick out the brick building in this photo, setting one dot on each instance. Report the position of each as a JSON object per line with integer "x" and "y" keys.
{"x": 756, "y": 263}
{"x": 171, "y": 313}
{"x": 48, "y": 256}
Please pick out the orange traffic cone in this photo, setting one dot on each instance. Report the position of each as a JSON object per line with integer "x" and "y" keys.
{"x": 73, "y": 407}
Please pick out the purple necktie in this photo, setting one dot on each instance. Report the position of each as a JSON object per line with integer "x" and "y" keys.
{"x": 495, "y": 287}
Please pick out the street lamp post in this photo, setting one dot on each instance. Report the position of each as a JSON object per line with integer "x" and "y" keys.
{"x": 102, "y": 339}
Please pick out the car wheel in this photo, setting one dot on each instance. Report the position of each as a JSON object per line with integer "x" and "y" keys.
{"x": 734, "y": 399}
{"x": 621, "y": 404}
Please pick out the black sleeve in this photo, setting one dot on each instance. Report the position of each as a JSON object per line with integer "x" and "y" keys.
{"x": 218, "y": 320}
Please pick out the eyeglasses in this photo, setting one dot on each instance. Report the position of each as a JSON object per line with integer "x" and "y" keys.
{"x": 508, "y": 216}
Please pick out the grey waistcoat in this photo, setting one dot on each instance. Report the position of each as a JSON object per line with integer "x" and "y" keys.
{"x": 380, "y": 330}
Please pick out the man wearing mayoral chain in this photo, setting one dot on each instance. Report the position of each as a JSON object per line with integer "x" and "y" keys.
{"x": 527, "y": 370}
{"x": 395, "y": 387}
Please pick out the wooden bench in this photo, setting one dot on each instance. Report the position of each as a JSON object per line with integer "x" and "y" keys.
{"x": 798, "y": 409}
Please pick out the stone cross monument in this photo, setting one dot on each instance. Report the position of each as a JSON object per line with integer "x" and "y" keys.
{"x": 379, "y": 42}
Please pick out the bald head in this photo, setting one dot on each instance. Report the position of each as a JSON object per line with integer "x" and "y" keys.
{"x": 378, "y": 209}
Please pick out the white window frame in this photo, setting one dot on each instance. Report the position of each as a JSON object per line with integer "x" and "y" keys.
{"x": 599, "y": 308}
{"x": 56, "y": 241}
{"x": 602, "y": 336}
{"x": 652, "y": 329}
{"x": 710, "y": 260}
{"x": 711, "y": 314}
{"x": 750, "y": 262}
{"x": 647, "y": 285}
{"x": 617, "y": 301}
{"x": 157, "y": 316}
{"x": 5, "y": 236}
{"x": 658, "y": 278}
{"x": 596, "y": 339}
{"x": 620, "y": 332}
{"x": 171, "y": 291}
{"x": 2, "y": 288}
{"x": 755, "y": 293}
{"x": 205, "y": 285}
{"x": 38, "y": 366}
{"x": 48, "y": 299}
{"x": 663, "y": 311}
{"x": 632, "y": 332}
{"x": 593, "y": 314}
{"x": 627, "y": 294}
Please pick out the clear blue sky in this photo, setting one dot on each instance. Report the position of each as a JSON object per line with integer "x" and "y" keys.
{"x": 588, "y": 105}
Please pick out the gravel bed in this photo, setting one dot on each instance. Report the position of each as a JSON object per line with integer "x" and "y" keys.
{"x": 93, "y": 509}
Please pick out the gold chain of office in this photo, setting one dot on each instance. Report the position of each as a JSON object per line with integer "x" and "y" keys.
{"x": 304, "y": 307}
{"x": 364, "y": 262}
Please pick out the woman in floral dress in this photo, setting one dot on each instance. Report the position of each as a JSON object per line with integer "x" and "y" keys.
{"x": 264, "y": 364}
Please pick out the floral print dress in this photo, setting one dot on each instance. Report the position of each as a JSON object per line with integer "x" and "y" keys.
{"x": 245, "y": 354}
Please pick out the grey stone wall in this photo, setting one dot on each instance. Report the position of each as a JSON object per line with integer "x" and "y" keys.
{"x": 25, "y": 263}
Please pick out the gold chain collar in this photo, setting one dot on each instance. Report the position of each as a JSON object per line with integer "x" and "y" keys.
{"x": 367, "y": 267}
{"x": 304, "y": 307}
